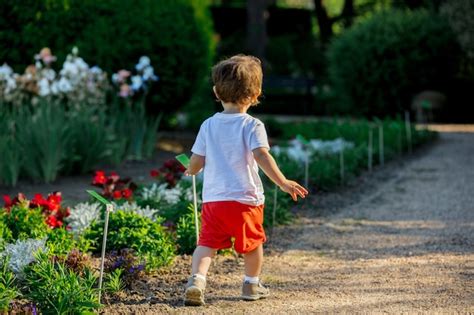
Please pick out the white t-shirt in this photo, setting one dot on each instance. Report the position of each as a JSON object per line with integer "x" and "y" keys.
{"x": 230, "y": 170}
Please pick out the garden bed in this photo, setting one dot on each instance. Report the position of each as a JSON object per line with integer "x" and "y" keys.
{"x": 154, "y": 221}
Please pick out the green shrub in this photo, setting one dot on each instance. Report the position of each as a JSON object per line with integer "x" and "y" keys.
{"x": 60, "y": 242}
{"x": 24, "y": 222}
{"x": 186, "y": 232}
{"x": 113, "y": 34}
{"x": 378, "y": 65}
{"x": 57, "y": 289}
{"x": 130, "y": 230}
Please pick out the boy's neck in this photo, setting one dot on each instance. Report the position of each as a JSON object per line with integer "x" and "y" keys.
{"x": 231, "y": 108}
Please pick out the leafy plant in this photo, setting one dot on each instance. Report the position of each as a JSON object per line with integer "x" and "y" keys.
{"x": 44, "y": 139}
{"x": 8, "y": 288}
{"x": 130, "y": 230}
{"x": 61, "y": 242}
{"x": 113, "y": 281}
{"x": 186, "y": 232}
{"x": 126, "y": 260}
{"x": 24, "y": 222}
{"x": 56, "y": 289}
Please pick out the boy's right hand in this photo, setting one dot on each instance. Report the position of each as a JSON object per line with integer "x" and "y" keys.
{"x": 294, "y": 189}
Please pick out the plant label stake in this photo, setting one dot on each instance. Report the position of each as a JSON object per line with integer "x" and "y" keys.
{"x": 306, "y": 166}
{"x": 370, "y": 150}
{"x": 408, "y": 130}
{"x": 108, "y": 208}
{"x": 184, "y": 160}
{"x": 381, "y": 146}
{"x": 341, "y": 164}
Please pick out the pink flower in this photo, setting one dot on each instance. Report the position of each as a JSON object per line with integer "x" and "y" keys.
{"x": 125, "y": 90}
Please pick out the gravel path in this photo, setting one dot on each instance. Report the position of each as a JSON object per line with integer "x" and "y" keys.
{"x": 399, "y": 240}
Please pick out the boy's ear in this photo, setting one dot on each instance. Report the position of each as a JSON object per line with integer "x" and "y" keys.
{"x": 215, "y": 92}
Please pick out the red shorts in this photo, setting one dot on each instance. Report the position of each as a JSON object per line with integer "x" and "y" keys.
{"x": 223, "y": 220}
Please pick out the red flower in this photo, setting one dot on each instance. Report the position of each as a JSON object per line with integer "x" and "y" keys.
{"x": 117, "y": 194}
{"x": 127, "y": 193}
{"x": 53, "y": 222}
{"x": 169, "y": 164}
{"x": 99, "y": 178}
{"x": 154, "y": 173}
{"x": 7, "y": 201}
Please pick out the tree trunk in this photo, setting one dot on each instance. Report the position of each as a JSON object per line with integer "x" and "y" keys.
{"x": 256, "y": 27}
{"x": 324, "y": 22}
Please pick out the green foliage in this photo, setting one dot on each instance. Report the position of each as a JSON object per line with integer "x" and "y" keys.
{"x": 5, "y": 233}
{"x": 43, "y": 137}
{"x": 378, "y": 65}
{"x": 60, "y": 242}
{"x": 176, "y": 35}
{"x": 24, "y": 222}
{"x": 10, "y": 163}
{"x": 324, "y": 169}
{"x": 134, "y": 132}
{"x": 8, "y": 288}
{"x": 186, "y": 232}
{"x": 130, "y": 230}
{"x": 113, "y": 281}
{"x": 56, "y": 289}
{"x": 88, "y": 144}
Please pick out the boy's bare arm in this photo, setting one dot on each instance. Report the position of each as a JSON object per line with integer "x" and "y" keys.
{"x": 267, "y": 163}
{"x": 196, "y": 163}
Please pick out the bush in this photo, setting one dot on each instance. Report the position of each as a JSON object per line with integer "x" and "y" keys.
{"x": 24, "y": 222}
{"x": 130, "y": 230}
{"x": 186, "y": 232}
{"x": 114, "y": 34}
{"x": 378, "y": 65}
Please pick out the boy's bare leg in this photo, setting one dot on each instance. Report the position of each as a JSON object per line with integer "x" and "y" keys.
{"x": 253, "y": 262}
{"x": 202, "y": 258}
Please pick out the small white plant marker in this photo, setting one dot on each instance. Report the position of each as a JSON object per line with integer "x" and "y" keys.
{"x": 109, "y": 207}
{"x": 370, "y": 149}
{"x": 341, "y": 164}
{"x": 408, "y": 130}
{"x": 381, "y": 146}
{"x": 306, "y": 165}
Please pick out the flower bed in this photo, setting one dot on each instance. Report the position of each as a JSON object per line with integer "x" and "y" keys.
{"x": 72, "y": 120}
{"x": 44, "y": 244}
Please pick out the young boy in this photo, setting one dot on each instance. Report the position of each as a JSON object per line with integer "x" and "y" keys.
{"x": 231, "y": 146}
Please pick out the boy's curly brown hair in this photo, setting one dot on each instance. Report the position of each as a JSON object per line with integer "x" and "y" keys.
{"x": 238, "y": 80}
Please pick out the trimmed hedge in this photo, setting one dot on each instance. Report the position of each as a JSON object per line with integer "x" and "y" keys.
{"x": 114, "y": 34}
{"x": 378, "y": 65}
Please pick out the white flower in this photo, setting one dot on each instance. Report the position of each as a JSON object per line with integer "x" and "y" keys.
{"x": 171, "y": 196}
{"x": 143, "y": 63}
{"x": 22, "y": 253}
{"x": 330, "y": 146}
{"x": 96, "y": 70}
{"x": 75, "y": 50}
{"x": 115, "y": 78}
{"x": 149, "y": 74}
{"x": 64, "y": 85}
{"x": 82, "y": 215}
{"x": 133, "y": 207}
{"x": 10, "y": 84}
{"x": 297, "y": 154}
{"x": 43, "y": 86}
{"x": 5, "y": 71}
{"x": 137, "y": 82}
{"x": 54, "y": 87}
{"x": 69, "y": 69}
{"x": 49, "y": 74}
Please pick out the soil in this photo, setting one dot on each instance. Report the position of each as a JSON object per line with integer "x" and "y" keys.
{"x": 397, "y": 240}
